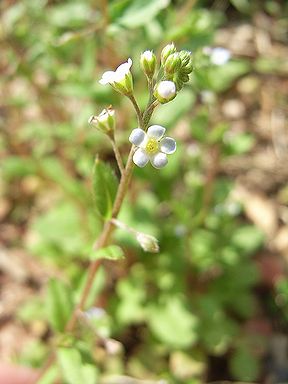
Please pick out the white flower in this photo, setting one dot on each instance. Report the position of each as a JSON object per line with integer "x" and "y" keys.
{"x": 117, "y": 76}
{"x": 152, "y": 146}
{"x": 105, "y": 122}
{"x": 121, "y": 79}
{"x": 165, "y": 91}
{"x": 218, "y": 55}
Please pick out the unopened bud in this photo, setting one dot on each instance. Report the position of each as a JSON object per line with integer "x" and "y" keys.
{"x": 148, "y": 63}
{"x": 105, "y": 122}
{"x": 165, "y": 91}
{"x": 185, "y": 57}
{"x": 172, "y": 64}
{"x": 147, "y": 242}
{"x": 166, "y": 52}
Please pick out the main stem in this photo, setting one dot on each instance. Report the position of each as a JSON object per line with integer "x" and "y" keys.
{"x": 101, "y": 242}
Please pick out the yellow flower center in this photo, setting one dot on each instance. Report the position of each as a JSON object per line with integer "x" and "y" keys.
{"x": 152, "y": 146}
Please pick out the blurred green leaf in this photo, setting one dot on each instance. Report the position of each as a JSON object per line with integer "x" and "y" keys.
{"x": 173, "y": 324}
{"x": 54, "y": 170}
{"x": 16, "y": 166}
{"x": 244, "y": 365}
{"x": 104, "y": 187}
{"x": 70, "y": 15}
{"x": 140, "y": 11}
{"x": 74, "y": 369}
{"x": 112, "y": 252}
{"x": 238, "y": 144}
{"x": 59, "y": 304}
{"x": 169, "y": 113}
{"x": 247, "y": 238}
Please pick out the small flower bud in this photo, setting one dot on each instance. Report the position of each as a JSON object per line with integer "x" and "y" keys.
{"x": 165, "y": 91}
{"x": 105, "y": 122}
{"x": 147, "y": 242}
{"x": 172, "y": 64}
{"x": 148, "y": 63}
{"x": 166, "y": 52}
{"x": 185, "y": 57}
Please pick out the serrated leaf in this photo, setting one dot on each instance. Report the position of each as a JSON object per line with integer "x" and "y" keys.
{"x": 59, "y": 304}
{"x": 112, "y": 252}
{"x": 104, "y": 188}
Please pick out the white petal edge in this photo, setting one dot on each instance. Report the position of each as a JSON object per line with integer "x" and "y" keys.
{"x": 140, "y": 158}
{"x": 137, "y": 136}
{"x": 125, "y": 67}
{"x": 156, "y": 131}
{"x": 107, "y": 77}
{"x": 168, "y": 145}
{"x": 159, "y": 160}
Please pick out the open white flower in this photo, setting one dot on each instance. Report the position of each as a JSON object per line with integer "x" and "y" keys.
{"x": 117, "y": 76}
{"x": 152, "y": 146}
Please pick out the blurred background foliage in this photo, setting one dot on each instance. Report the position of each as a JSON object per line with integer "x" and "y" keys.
{"x": 207, "y": 306}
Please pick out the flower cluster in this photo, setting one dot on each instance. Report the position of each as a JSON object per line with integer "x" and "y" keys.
{"x": 174, "y": 71}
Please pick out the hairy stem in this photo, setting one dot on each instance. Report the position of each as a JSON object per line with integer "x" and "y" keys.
{"x": 101, "y": 242}
{"x": 117, "y": 156}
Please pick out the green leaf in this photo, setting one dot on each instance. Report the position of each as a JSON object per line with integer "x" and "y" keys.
{"x": 112, "y": 252}
{"x": 54, "y": 170}
{"x": 59, "y": 304}
{"x": 222, "y": 77}
{"x": 74, "y": 370}
{"x": 140, "y": 11}
{"x": 104, "y": 188}
{"x": 247, "y": 238}
{"x": 173, "y": 324}
{"x": 239, "y": 144}
{"x": 17, "y": 166}
{"x": 244, "y": 365}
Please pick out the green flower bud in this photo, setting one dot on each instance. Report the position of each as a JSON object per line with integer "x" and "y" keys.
{"x": 147, "y": 242}
{"x": 166, "y": 52}
{"x": 172, "y": 64}
{"x": 185, "y": 57}
{"x": 105, "y": 122}
{"x": 148, "y": 63}
{"x": 165, "y": 91}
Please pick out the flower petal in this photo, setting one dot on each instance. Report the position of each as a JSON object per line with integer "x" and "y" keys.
{"x": 137, "y": 136}
{"x": 156, "y": 131}
{"x": 125, "y": 67}
{"x": 168, "y": 145}
{"x": 159, "y": 160}
{"x": 140, "y": 158}
{"x": 107, "y": 77}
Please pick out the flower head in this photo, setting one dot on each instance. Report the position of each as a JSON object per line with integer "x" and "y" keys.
{"x": 105, "y": 122}
{"x": 165, "y": 91}
{"x": 121, "y": 79}
{"x": 152, "y": 146}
